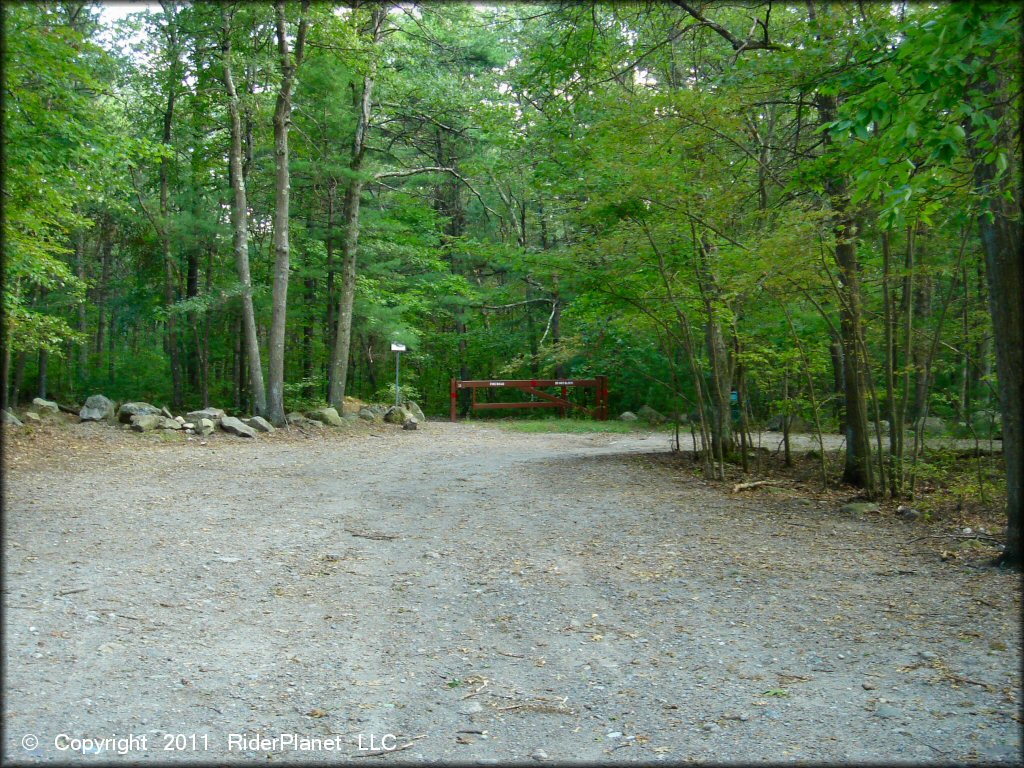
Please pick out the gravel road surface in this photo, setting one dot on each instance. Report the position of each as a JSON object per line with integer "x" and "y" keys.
{"x": 463, "y": 593}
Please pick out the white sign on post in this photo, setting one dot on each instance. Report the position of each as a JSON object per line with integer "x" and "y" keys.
{"x": 397, "y": 347}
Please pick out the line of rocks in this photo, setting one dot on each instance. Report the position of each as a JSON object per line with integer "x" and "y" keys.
{"x": 144, "y": 417}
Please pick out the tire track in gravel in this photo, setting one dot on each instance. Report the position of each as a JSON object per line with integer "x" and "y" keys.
{"x": 496, "y": 593}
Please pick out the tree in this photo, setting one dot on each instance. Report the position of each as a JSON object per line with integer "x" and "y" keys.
{"x": 289, "y": 64}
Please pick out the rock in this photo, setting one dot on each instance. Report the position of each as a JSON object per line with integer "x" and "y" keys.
{"x": 295, "y": 416}
{"x": 236, "y": 427}
{"x": 410, "y": 424}
{"x": 613, "y": 735}
{"x": 144, "y": 422}
{"x": 713, "y": 727}
{"x": 471, "y": 708}
{"x": 396, "y": 414}
{"x": 539, "y": 754}
{"x": 627, "y": 416}
{"x": 46, "y": 406}
{"x": 6, "y": 417}
{"x": 351, "y": 418}
{"x": 933, "y": 425}
{"x": 886, "y": 711}
{"x": 166, "y": 413}
{"x": 859, "y": 508}
{"x": 188, "y": 426}
{"x": 127, "y": 410}
{"x": 97, "y": 408}
{"x": 326, "y": 415}
{"x": 907, "y": 513}
{"x": 987, "y": 423}
{"x": 204, "y": 427}
{"x": 213, "y": 414}
{"x": 970, "y": 544}
{"x": 259, "y": 424}
{"x": 415, "y": 410}
{"x": 166, "y": 423}
{"x": 968, "y": 531}
{"x": 868, "y": 686}
{"x": 33, "y": 417}
{"x": 179, "y": 419}
{"x": 367, "y": 414}
{"x": 796, "y": 424}
{"x": 650, "y": 415}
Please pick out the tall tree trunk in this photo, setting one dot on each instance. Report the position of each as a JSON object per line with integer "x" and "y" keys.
{"x": 289, "y": 63}
{"x": 857, "y": 470}
{"x": 363, "y": 102}
{"x": 101, "y": 298}
{"x": 82, "y": 351}
{"x": 1000, "y": 230}
{"x": 330, "y": 319}
{"x": 307, "y": 337}
{"x": 5, "y": 370}
{"x": 240, "y": 230}
{"x": 923, "y": 291}
{"x": 19, "y": 378}
{"x": 171, "y": 328}
{"x": 722, "y": 443}
{"x": 44, "y": 373}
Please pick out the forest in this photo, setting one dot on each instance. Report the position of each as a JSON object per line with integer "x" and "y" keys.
{"x": 759, "y": 215}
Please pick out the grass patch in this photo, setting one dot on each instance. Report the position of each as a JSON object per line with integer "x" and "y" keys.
{"x": 568, "y": 425}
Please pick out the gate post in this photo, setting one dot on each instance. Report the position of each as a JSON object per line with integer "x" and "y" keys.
{"x": 602, "y": 398}
{"x": 454, "y": 394}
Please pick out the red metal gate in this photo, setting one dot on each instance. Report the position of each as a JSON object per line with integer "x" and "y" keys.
{"x": 599, "y": 384}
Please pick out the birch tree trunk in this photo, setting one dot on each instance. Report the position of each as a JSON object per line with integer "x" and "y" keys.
{"x": 240, "y": 229}
{"x": 282, "y": 187}
{"x": 363, "y": 102}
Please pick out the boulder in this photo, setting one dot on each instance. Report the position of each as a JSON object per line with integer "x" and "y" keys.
{"x": 415, "y": 410}
{"x": 987, "y": 423}
{"x": 650, "y": 415}
{"x": 127, "y": 410}
{"x": 326, "y": 415}
{"x": 97, "y": 408}
{"x": 33, "y": 417}
{"x": 45, "y": 406}
{"x": 796, "y": 424}
{"x": 295, "y": 418}
{"x": 367, "y": 414}
{"x": 859, "y": 508}
{"x": 236, "y": 427}
{"x": 213, "y": 414}
{"x": 933, "y": 425}
{"x": 351, "y": 418}
{"x": 8, "y": 418}
{"x": 627, "y": 416}
{"x": 166, "y": 423}
{"x": 259, "y": 424}
{"x": 204, "y": 426}
{"x": 166, "y": 413}
{"x": 410, "y": 424}
{"x": 396, "y": 414}
{"x": 144, "y": 422}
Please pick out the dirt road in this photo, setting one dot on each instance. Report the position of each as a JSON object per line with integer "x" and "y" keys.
{"x": 461, "y": 593}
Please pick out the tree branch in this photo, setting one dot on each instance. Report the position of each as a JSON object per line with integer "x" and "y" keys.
{"x": 438, "y": 169}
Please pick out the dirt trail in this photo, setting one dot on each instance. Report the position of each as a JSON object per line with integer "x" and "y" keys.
{"x": 464, "y": 593}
